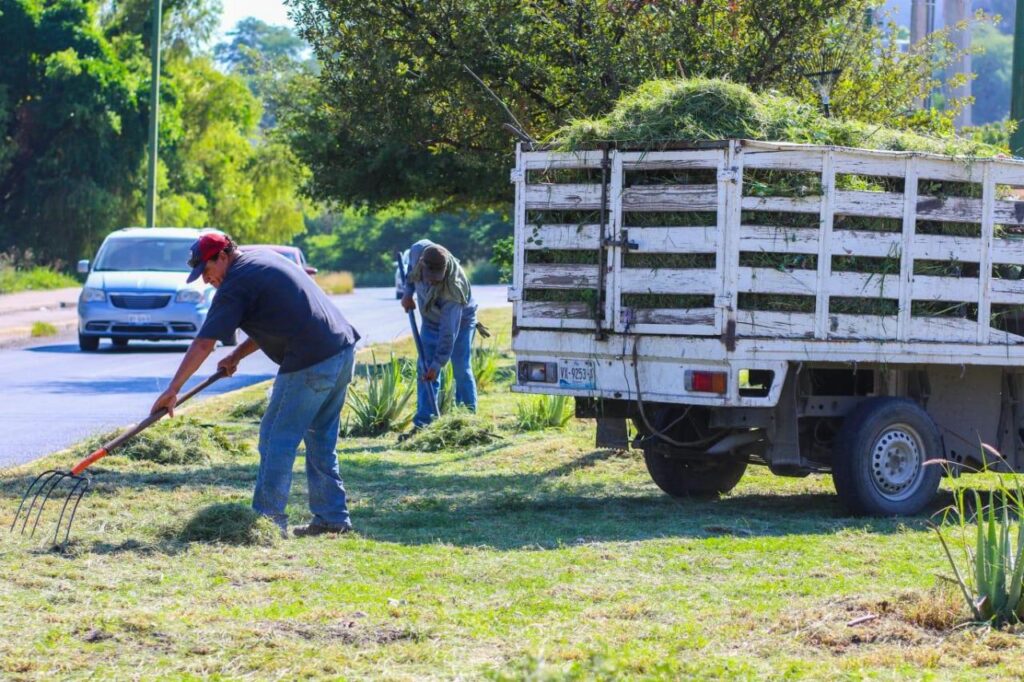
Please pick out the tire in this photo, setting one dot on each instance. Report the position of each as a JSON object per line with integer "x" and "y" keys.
{"x": 88, "y": 343}
{"x": 233, "y": 341}
{"x": 119, "y": 342}
{"x": 878, "y": 461}
{"x": 688, "y": 478}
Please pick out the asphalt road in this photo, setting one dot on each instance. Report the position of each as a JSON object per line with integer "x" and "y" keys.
{"x": 54, "y": 395}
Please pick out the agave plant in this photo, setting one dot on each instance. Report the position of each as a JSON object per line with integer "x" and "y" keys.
{"x": 543, "y": 412}
{"x": 446, "y": 396}
{"x": 993, "y": 575}
{"x": 379, "y": 405}
{"x": 485, "y": 367}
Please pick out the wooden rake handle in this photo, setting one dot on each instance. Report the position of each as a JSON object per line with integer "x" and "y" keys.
{"x": 112, "y": 445}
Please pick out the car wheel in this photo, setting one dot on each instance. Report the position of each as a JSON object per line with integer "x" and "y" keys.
{"x": 879, "y": 460}
{"x": 119, "y": 342}
{"x": 88, "y": 343}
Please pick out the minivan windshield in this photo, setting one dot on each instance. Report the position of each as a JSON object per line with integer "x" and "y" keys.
{"x": 151, "y": 254}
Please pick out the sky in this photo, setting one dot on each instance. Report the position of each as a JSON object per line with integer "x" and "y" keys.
{"x": 270, "y": 11}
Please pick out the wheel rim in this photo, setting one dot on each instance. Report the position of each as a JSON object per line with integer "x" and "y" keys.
{"x": 897, "y": 460}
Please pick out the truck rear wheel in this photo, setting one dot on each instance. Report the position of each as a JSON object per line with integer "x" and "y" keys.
{"x": 689, "y": 478}
{"x": 878, "y": 462}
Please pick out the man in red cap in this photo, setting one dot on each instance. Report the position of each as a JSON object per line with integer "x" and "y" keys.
{"x": 286, "y": 315}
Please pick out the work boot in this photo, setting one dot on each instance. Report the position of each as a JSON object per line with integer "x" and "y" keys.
{"x": 402, "y": 437}
{"x": 316, "y": 527}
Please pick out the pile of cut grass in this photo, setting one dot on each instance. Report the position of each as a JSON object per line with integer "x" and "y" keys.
{"x": 230, "y": 524}
{"x": 182, "y": 440}
{"x": 456, "y": 429}
{"x": 694, "y": 110}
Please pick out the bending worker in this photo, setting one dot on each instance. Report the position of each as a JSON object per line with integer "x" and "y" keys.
{"x": 287, "y": 316}
{"x": 448, "y": 312}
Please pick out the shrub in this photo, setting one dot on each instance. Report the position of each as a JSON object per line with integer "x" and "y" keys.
{"x": 485, "y": 366}
{"x": 233, "y": 524}
{"x": 543, "y": 412}
{"x": 379, "y": 405}
{"x": 43, "y": 329}
{"x": 456, "y": 429}
{"x": 336, "y": 283}
{"x": 483, "y": 272}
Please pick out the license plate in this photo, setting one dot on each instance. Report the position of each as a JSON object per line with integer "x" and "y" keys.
{"x": 139, "y": 319}
{"x": 578, "y": 374}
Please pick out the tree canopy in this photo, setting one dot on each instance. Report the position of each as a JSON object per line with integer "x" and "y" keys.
{"x": 398, "y": 112}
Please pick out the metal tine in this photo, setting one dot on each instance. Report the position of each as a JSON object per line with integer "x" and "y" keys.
{"x": 39, "y": 512}
{"x": 83, "y": 483}
{"x": 24, "y": 497}
{"x": 36, "y": 489}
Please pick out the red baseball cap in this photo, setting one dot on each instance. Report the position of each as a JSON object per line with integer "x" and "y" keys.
{"x": 203, "y": 249}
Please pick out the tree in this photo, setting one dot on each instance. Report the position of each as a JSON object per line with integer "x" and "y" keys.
{"x": 253, "y": 40}
{"x": 397, "y": 113}
{"x": 216, "y": 169}
{"x": 188, "y": 25}
{"x": 993, "y": 64}
{"x": 73, "y": 129}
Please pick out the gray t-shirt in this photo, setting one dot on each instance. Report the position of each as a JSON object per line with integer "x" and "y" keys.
{"x": 279, "y": 307}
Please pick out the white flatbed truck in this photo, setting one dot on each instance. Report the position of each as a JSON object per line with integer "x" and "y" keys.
{"x": 812, "y": 309}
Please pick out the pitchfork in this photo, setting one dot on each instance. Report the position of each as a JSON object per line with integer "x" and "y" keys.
{"x": 78, "y": 480}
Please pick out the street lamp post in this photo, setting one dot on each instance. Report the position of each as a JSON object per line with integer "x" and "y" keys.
{"x": 154, "y": 117}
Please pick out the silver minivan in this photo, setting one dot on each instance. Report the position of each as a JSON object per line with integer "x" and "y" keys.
{"x": 136, "y": 289}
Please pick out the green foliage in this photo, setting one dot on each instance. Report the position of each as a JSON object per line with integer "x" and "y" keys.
{"x": 455, "y": 429}
{"x": 543, "y": 412}
{"x": 361, "y": 240}
{"x": 231, "y": 524}
{"x": 36, "y": 278}
{"x": 992, "y": 581}
{"x": 253, "y": 40}
{"x": 72, "y": 128}
{"x": 217, "y": 170}
{"x": 992, "y": 64}
{"x": 40, "y": 329}
{"x": 397, "y": 114}
{"x": 379, "y": 405}
{"x": 446, "y": 394}
{"x": 485, "y": 366}
{"x": 504, "y": 250}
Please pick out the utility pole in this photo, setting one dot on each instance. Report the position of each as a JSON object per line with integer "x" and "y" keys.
{"x": 154, "y": 117}
{"x": 1017, "y": 82}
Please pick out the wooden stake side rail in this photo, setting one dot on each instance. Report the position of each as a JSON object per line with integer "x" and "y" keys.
{"x": 688, "y": 259}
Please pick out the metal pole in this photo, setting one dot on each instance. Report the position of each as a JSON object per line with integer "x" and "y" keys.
{"x": 1017, "y": 82}
{"x": 154, "y": 117}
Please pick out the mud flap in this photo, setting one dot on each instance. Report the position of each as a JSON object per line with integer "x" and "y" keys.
{"x": 612, "y": 433}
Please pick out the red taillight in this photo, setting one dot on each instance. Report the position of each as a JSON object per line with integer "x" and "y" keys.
{"x": 706, "y": 382}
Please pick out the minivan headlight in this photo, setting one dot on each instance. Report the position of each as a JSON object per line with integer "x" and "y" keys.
{"x": 89, "y": 295}
{"x": 189, "y": 296}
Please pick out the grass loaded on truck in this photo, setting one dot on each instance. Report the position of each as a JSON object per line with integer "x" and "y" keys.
{"x": 813, "y": 309}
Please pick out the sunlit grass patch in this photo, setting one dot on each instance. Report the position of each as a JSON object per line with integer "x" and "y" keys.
{"x": 41, "y": 329}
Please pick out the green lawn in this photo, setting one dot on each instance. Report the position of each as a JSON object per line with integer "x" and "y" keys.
{"x": 536, "y": 557}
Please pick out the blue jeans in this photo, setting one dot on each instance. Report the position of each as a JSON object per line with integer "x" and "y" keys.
{"x": 304, "y": 406}
{"x": 462, "y": 373}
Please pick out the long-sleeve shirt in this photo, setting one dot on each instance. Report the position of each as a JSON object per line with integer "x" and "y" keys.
{"x": 448, "y": 318}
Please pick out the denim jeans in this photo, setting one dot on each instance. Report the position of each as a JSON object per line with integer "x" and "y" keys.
{"x": 462, "y": 373}
{"x": 304, "y": 406}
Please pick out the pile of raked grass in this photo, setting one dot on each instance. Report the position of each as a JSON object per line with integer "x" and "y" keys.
{"x": 665, "y": 112}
